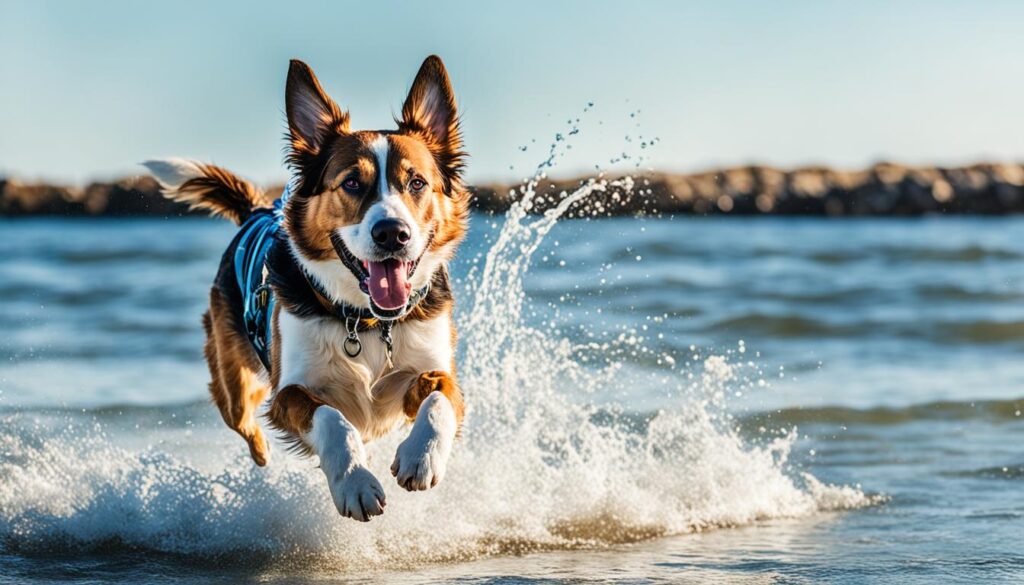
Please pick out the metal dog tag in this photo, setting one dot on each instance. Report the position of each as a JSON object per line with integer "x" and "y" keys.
{"x": 352, "y": 346}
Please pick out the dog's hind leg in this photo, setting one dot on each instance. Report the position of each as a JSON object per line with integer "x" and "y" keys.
{"x": 218, "y": 394}
{"x": 239, "y": 385}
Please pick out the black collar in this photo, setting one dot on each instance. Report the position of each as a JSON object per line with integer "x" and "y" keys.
{"x": 369, "y": 316}
{"x": 362, "y": 277}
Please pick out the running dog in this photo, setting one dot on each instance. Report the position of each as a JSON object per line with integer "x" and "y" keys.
{"x": 343, "y": 316}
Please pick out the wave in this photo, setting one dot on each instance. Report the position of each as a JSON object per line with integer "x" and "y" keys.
{"x": 860, "y": 295}
{"x": 784, "y": 326}
{"x": 982, "y": 331}
{"x": 838, "y": 257}
{"x": 1013, "y": 472}
{"x": 988, "y": 410}
{"x": 972, "y": 253}
{"x": 52, "y": 293}
{"x": 904, "y": 254}
{"x": 953, "y": 292}
{"x": 804, "y": 326}
{"x": 73, "y": 491}
{"x": 890, "y": 253}
{"x": 147, "y": 254}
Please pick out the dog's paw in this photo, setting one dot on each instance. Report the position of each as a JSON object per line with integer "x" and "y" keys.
{"x": 422, "y": 457}
{"x": 357, "y": 494}
{"x": 417, "y": 468}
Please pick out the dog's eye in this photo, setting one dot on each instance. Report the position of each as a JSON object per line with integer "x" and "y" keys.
{"x": 350, "y": 185}
{"x": 417, "y": 185}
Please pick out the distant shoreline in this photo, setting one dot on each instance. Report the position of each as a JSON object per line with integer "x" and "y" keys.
{"x": 884, "y": 189}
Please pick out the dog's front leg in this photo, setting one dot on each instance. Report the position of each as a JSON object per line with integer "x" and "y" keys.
{"x": 436, "y": 403}
{"x": 324, "y": 430}
{"x": 356, "y": 492}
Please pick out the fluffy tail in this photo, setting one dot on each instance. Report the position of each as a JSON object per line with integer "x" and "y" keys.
{"x": 205, "y": 186}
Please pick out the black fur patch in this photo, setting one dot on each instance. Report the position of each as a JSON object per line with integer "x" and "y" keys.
{"x": 290, "y": 286}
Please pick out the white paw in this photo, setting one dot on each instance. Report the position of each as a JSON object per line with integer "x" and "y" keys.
{"x": 422, "y": 457}
{"x": 417, "y": 467}
{"x": 357, "y": 494}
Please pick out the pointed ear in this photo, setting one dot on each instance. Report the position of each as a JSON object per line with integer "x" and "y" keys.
{"x": 312, "y": 114}
{"x": 430, "y": 112}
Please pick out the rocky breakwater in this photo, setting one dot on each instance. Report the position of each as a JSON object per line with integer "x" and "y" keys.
{"x": 884, "y": 189}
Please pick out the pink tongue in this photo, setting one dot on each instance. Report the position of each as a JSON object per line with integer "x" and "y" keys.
{"x": 389, "y": 288}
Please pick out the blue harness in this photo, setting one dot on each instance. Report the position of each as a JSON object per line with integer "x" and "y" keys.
{"x": 256, "y": 236}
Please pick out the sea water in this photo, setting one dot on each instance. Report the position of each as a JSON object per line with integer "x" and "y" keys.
{"x": 648, "y": 400}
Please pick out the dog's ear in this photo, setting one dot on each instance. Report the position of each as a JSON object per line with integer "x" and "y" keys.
{"x": 430, "y": 112}
{"x": 312, "y": 114}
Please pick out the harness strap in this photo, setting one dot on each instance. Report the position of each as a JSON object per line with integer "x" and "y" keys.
{"x": 254, "y": 242}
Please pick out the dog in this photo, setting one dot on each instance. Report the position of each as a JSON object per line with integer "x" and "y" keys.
{"x": 358, "y": 331}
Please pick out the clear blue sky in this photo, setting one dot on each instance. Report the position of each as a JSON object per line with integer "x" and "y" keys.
{"x": 87, "y": 89}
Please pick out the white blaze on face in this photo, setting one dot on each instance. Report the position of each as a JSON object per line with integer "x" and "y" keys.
{"x": 388, "y": 205}
{"x": 381, "y": 148}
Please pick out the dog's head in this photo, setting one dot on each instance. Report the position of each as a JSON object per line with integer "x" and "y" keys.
{"x": 375, "y": 213}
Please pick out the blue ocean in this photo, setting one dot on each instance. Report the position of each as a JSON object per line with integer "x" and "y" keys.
{"x": 650, "y": 400}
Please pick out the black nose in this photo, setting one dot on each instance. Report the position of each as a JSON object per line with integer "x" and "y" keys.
{"x": 391, "y": 234}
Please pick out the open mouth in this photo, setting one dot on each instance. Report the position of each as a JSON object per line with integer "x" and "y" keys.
{"x": 387, "y": 282}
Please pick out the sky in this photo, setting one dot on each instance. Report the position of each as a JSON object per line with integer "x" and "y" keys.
{"x": 89, "y": 89}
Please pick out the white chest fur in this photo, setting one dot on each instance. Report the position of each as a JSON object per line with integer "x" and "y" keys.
{"x": 363, "y": 388}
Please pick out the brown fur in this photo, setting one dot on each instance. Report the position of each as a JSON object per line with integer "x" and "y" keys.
{"x": 237, "y": 383}
{"x": 291, "y": 412}
{"x": 220, "y": 192}
{"x": 429, "y": 382}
